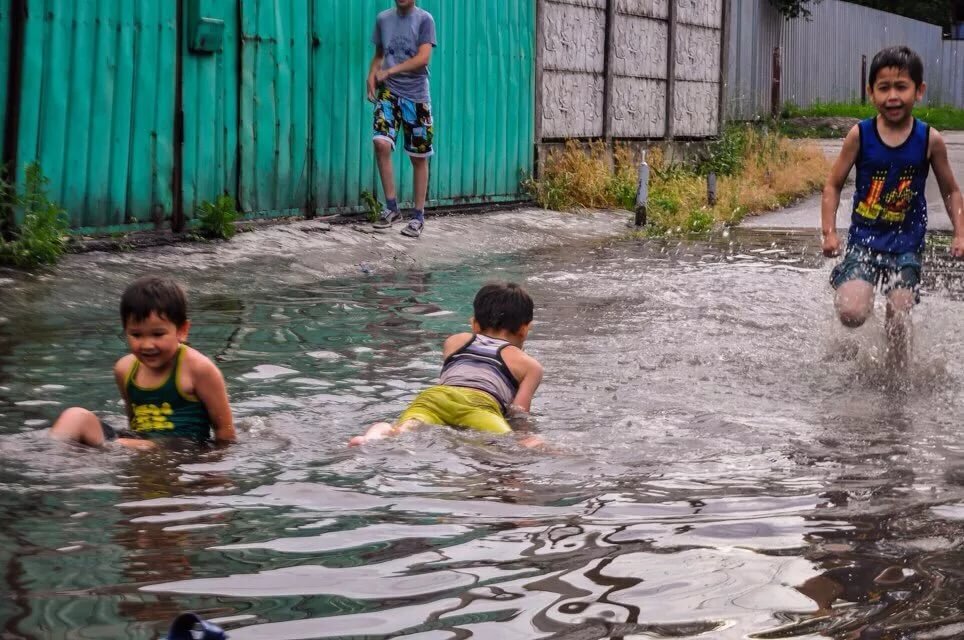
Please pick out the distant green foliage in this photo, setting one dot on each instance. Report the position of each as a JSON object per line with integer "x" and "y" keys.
{"x": 42, "y": 237}
{"x": 726, "y": 155}
{"x": 216, "y": 219}
{"x": 939, "y": 116}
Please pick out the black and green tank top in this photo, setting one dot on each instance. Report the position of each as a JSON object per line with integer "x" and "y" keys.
{"x": 165, "y": 410}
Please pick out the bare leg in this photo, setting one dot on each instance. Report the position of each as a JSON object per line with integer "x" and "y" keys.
{"x": 383, "y": 157}
{"x": 381, "y": 430}
{"x": 899, "y": 305}
{"x": 420, "y": 181}
{"x": 78, "y": 425}
{"x": 854, "y": 302}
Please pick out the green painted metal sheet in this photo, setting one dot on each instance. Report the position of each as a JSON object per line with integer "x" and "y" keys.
{"x": 97, "y": 110}
{"x": 274, "y": 122}
{"x": 210, "y": 104}
{"x": 483, "y": 92}
{"x": 4, "y": 64}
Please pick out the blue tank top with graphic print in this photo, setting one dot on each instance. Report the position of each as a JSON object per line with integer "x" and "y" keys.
{"x": 890, "y": 208}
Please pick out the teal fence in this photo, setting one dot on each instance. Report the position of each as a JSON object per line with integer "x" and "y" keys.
{"x": 135, "y": 127}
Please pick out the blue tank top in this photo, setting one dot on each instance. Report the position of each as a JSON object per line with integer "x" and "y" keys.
{"x": 479, "y": 365}
{"x": 890, "y": 208}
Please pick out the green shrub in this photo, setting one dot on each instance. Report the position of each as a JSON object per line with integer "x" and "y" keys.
{"x": 372, "y": 205}
{"x": 42, "y": 237}
{"x": 216, "y": 219}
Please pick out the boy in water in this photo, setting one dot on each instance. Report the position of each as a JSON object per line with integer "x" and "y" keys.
{"x": 893, "y": 152}
{"x": 169, "y": 388}
{"x": 485, "y": 374}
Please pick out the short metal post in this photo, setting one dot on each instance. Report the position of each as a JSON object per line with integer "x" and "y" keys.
{"x": 642, "y": 193}
{"x": 711, "y": 189}
{"x": 863, "y": 79}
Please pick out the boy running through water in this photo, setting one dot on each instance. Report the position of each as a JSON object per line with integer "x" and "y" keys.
{"x": 893, "y": 152}
{"x": 485, "y": 374}
{"x": 169, "y": 389}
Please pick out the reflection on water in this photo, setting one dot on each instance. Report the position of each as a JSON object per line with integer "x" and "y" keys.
{"x": 728, "y": 462}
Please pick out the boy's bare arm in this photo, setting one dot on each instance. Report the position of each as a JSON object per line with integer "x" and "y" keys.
{"x": 517, "y": 360}
{"x": 831, "y": 192}
{"x": 210, "y": 389}
{"x": 950, "y": 191}
{"x": 373, "y": 69}
{"x": 121, "y": 370}
{"x": 419, "y": 61}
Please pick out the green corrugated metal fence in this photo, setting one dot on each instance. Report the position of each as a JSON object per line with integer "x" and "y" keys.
{"x": 4, "y": 64}
{"x": 97, "y": 107}
{"x": 278, "y": 118}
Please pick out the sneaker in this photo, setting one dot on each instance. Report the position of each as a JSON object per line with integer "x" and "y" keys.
{"x": 387, "y": 219}
{"x": 414, "y": 228}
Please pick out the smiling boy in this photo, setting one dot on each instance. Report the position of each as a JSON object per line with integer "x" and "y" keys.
{"x": 169, "y": 389}
{"x": 893, "y": 152}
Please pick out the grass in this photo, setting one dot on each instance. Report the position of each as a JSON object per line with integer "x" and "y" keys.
{"x": 216, "y": 219}
{"x": 938, "y": 116}
{"x": 42, "y": 236}
{"x": 757, "y": 171}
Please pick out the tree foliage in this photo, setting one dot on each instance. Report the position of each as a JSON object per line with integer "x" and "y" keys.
{"x": 940, "y": 12}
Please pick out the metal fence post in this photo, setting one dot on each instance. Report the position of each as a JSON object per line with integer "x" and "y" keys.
{"x": 642, "y": 193}
{"x": 775, "y": 84}
{"x": 863, "y": 79}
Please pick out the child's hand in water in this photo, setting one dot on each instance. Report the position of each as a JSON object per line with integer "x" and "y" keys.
{"x": 531, "y": 442}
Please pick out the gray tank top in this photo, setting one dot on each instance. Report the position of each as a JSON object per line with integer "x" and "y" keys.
{"x": 479, "y": 365}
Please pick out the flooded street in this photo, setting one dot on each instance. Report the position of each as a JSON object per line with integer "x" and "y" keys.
{"x": 726, "y": 461}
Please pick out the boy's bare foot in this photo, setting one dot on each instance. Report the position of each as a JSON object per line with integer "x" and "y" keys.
{"x": 377, "y": 431}
{"x": 136, "y": 443}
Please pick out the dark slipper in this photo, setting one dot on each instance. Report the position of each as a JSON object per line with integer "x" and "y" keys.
{"x": 187, "y": 625}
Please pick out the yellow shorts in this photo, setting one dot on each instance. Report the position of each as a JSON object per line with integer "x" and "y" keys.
{"x": 457, "y": 407}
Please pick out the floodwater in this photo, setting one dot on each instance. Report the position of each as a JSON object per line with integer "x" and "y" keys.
{"x": 726, "y": 461}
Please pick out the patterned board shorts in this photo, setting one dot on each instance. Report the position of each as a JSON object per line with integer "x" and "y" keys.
{"x": 415, "y": 118}
{"x": 889, "y": 271}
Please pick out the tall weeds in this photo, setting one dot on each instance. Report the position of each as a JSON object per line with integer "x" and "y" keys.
{"x": 757, "y": 170}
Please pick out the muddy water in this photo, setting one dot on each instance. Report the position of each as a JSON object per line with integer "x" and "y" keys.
{"x": 727, "y": 462}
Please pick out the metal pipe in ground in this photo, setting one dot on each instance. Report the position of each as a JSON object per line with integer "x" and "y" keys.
{"x": 642, "y": 193}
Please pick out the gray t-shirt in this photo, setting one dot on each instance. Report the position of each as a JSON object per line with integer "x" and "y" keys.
{"x": 400, "y": 37}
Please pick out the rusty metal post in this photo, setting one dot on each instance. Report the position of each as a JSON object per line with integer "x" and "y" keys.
{"x": 177, "y": 180}
{"x": 775, "y": 84}
{"x": 11, "y": 125}
{"x": 863, "y": 79}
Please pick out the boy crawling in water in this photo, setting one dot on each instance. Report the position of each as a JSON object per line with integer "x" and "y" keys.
{"x": 486, "y": 376}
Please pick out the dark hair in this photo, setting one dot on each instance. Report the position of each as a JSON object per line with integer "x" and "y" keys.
{"x": 902, "y": 58}
{"x": 502, "y": 305}
{"x": 152, "y": 294}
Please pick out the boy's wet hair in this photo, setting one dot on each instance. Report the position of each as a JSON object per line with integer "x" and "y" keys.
{"x": 902, "y": 58}
{"x": 153, "y": 294}
{"x": 502, "y": 306}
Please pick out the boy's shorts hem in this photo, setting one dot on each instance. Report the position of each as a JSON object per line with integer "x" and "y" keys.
{"x": 388, "y": 139}
{"x": 888, "y": 271}
{"x": 457, "y": 407}
{"x": 414, "y": 118}
{"x": 110, "y": 433}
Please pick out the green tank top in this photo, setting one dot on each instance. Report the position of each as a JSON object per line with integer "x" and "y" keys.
{"x": 165, "y": 410}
